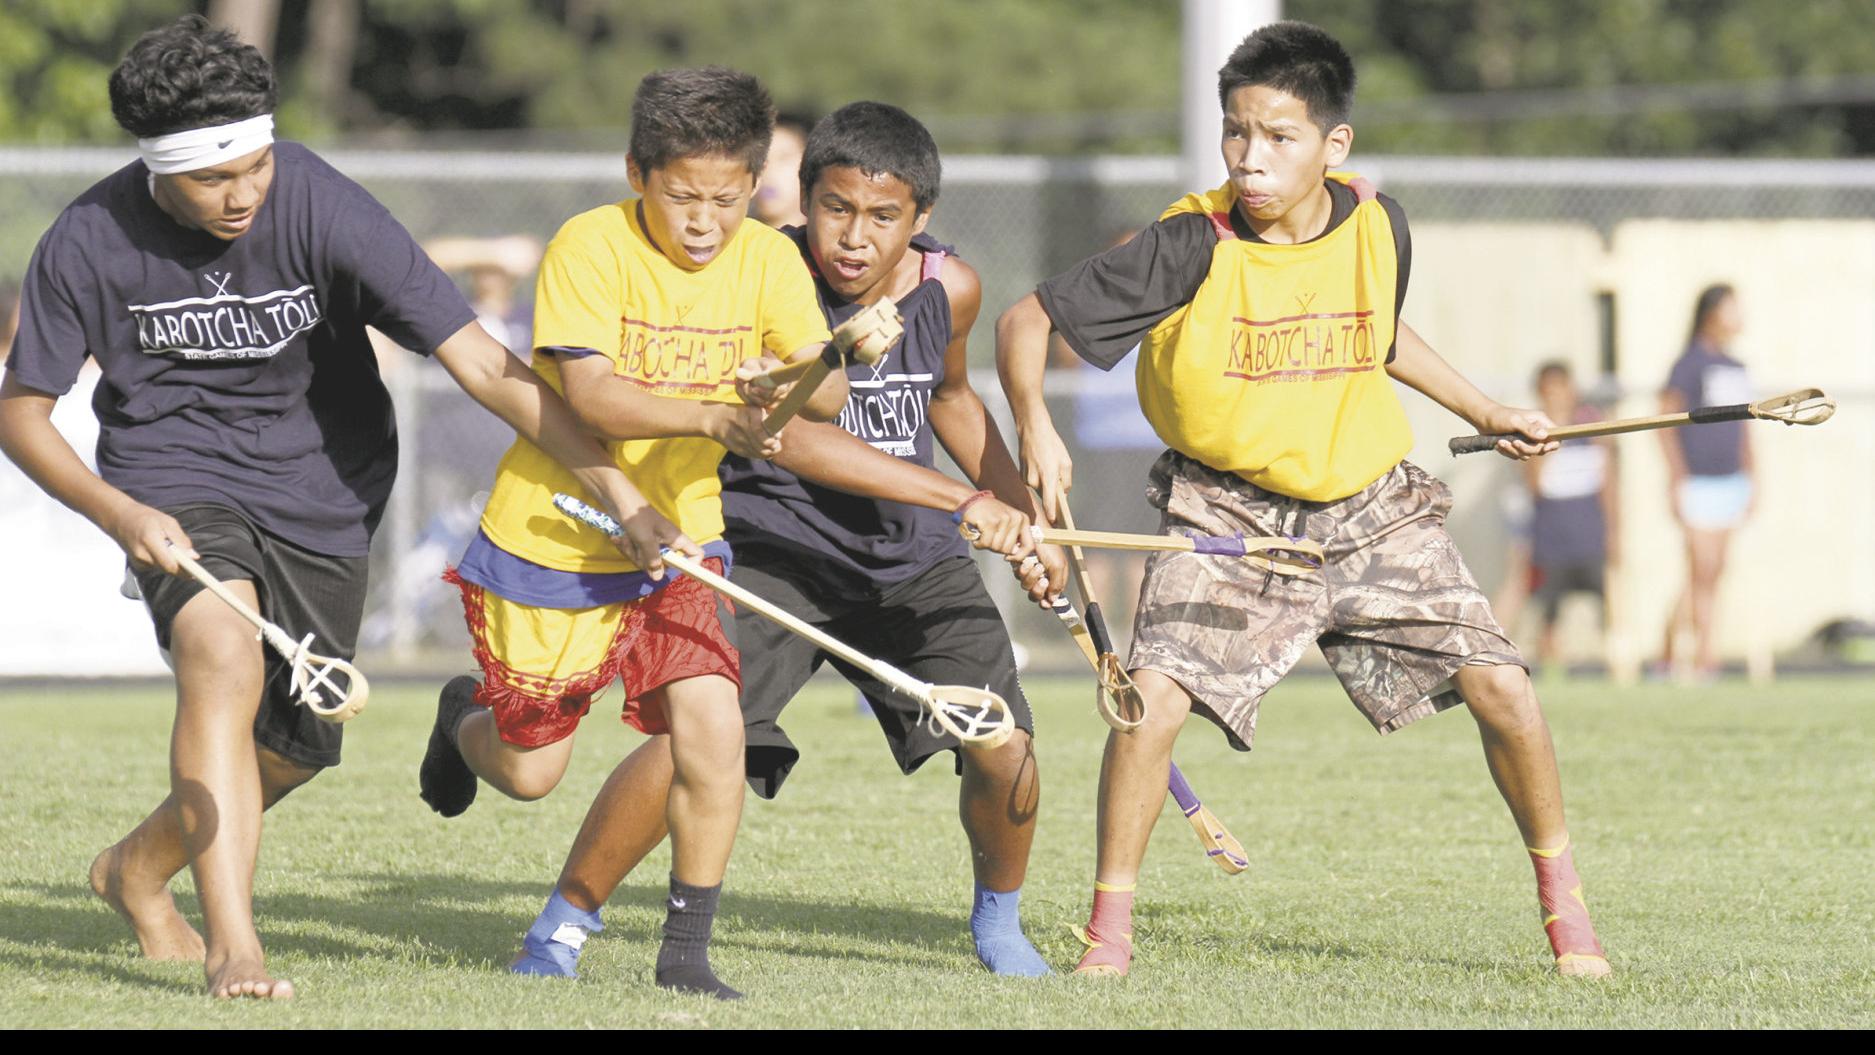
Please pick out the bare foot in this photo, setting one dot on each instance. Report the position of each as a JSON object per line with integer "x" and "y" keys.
{"x": 147, "y": 907}
{"x": 247, "y": 978}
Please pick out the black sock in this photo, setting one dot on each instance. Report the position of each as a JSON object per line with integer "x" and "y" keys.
{"x": 684, "y": 958}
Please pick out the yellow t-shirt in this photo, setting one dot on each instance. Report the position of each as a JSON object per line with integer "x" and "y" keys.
{"x": 680, "y": 334}
{"x": 1276, "y": 369}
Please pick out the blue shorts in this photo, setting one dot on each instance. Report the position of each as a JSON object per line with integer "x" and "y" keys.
{"x": 1714, "y": 503}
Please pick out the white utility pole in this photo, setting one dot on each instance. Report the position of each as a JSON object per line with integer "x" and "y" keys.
{"x": 1212, "y": 30}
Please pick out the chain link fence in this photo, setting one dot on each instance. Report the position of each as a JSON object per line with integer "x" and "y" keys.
{"x": 1480, "y": 226}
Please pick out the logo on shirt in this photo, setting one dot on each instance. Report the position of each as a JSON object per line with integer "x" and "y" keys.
{"x": 1301, "y": 347}
{"x": 889, "y": 409}
{"x": 226, "y": 325}
{"x": 681, "y": 360}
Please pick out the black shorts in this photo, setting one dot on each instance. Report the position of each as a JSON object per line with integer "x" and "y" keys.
{"x": 301, "y": 591}
{"x": 1552, "y": 583}
{"x": 939, "y": 626}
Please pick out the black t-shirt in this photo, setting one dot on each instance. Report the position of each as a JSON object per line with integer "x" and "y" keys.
{"x": 238, "y": 373}
{"x": 1105, "y": 305}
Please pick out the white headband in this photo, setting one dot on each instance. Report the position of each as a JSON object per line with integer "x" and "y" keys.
{"x": 198, "y": 148}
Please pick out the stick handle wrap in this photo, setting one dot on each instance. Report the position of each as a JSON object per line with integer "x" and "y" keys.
{"x": 1219, "y": 545}
{"x": 1186, "y": 798}
{"x": 1474, "y": 444}
{"x": 1708, "y": 415}
{"x": 1097, "y": 628}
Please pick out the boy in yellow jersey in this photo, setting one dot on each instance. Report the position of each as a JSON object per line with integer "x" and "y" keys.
{"x": 649, "y": 314}
{"x": 1268, "y": 316}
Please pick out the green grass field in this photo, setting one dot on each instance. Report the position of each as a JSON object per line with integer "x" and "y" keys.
{"x": 1725, "y": 836}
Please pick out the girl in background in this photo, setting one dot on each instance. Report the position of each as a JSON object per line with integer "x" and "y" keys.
{"x": 1710, "y": 467}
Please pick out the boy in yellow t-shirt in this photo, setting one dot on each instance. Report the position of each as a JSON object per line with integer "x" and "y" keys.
{"x": 1267, "y": 313}
{"x": 649, "y": 314}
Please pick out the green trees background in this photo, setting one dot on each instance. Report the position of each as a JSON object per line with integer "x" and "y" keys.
{"x": 1754, "y": 77}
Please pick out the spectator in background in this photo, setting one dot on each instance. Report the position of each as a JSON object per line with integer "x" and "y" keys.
{"x": 1574, "y": 514}
{"x": 1513, "y": 591}
{"x": 1710, "y": 468}
{"x": 452, "y": 446}
{"x": 1113, "y": 449}
{"x": 495, "y": 268}
{"x": 777, "y": 200}
{"x": 456, "y": 445}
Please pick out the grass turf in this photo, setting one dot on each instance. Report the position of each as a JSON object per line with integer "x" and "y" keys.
{"x": 1724, "y": 836}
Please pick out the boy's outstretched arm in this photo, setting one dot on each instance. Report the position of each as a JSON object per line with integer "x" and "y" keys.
{"x": 615, "y": 409}
{"x": 1417, "y": 366}
{"x": 518, "y": 396}
{"x": 1021, "y": 355}
{"x": 964, "y": 426}
{"x": 833, "y": 457}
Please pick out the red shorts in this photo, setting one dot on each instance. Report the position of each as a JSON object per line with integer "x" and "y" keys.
{"x": 542, "y": 668}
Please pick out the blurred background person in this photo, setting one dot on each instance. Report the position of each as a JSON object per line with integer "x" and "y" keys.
{"x": 453, "y": 443}
{"x": 1574, "y": 512}
{"x": 1513, "y": 590}
{"x": 494, "y": 268}
{"x": 777, "y": 200}
{"x": 1113, "y": 447}
{"x": 1710, "y": 469}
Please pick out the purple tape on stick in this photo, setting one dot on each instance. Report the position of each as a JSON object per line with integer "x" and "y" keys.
{"x": 1186, "y": 798}
{"x": 1218, "y": 545}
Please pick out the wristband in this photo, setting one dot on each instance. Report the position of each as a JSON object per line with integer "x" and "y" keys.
{"x": 957, "y": 515}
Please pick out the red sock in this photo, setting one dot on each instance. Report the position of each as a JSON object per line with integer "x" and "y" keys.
{"x": 1109, "y": 931}
{"x": 1565, "y": 913}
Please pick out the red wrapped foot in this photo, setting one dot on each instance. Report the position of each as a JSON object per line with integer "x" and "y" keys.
{"x": 1109, "y": 932}
{"x": 1566, "y": 915}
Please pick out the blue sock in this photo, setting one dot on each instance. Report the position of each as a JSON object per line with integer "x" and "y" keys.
{"x": 996, "y": 926}
{"x": 552, "y": 945}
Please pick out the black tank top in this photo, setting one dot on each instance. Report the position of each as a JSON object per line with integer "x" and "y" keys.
{"x": 846, "y": 545}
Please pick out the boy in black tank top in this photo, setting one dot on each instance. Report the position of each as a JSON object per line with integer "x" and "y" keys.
{"x": 851, "y": 528}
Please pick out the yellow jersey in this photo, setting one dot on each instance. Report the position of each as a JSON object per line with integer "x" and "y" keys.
{"x": 604, "y": 287}
{"x": 1276, "y": 368}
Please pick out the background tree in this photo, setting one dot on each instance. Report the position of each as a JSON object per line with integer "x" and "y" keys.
{"x": 1596, "y": 77}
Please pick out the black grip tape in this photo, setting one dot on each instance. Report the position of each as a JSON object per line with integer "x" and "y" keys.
{"x": 1708, "y": 415}
{"x": 1473, "y": 444}
{"x": 1097, "y": 629}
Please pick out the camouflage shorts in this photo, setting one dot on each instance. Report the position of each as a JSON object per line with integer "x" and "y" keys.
{"x": 1394, "y": 609}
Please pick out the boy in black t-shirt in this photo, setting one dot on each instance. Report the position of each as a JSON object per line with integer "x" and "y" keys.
{"x": 223, "y": 283}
